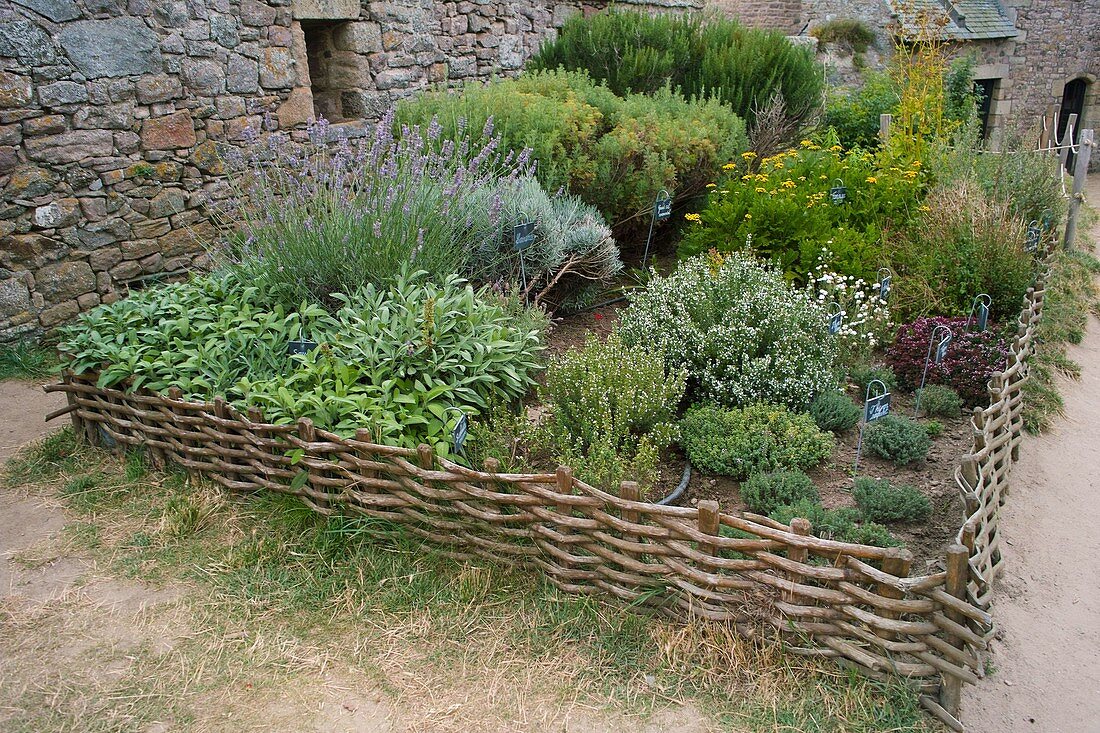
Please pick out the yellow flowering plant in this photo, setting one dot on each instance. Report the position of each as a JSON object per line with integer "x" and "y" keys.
{"x": 783, "y": 209}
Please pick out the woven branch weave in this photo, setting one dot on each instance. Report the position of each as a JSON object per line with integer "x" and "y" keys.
{"x": 851, "y": 602}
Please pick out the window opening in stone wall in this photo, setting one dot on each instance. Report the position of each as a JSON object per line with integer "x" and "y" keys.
{"x": 984, "y": 90}
{"x": 328, "y": 79}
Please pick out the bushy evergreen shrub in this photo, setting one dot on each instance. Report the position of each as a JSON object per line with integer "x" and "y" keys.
{"x": 971, "y": 358}
{"x": 881, "y": 501}
{"x": 834, "y": 411}
{"x": 641, "y": 53}
{"x": 939, "y": 401}
{"x": 616, "y": 153}
{"x": 898, "y": 439}
{"x": 743, "y": 333}
{"x": 758, "y": 438}
{"x": 842, "y": 525}
{"x": 765, "y": 492}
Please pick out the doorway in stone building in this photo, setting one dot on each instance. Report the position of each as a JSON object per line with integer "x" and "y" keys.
{"x": 1073, "y": 103}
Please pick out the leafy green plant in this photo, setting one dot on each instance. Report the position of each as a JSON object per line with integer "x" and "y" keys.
{"x": 834, "y": 411}
{"x": 765, "y": 492}
{"x": 934, "y": 428}
{"x": 614, "y": 152}
{"x": 754, "y": 439}
{"x": 717, "y": 57}
{"x": 743, "y": 334}
{"x": 402, "y": 361}
{"x": 939, "y": 401}
{"x": 843, "y": 525}
{"x": 884, "y": 502}
{"x": 898, "y": 439}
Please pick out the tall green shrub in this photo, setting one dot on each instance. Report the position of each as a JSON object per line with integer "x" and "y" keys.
{"x": 718, "y": 58}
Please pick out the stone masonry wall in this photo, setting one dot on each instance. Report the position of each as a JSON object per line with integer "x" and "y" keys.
{"x": 780, "y": 15}
{"x": 113, "y": 112}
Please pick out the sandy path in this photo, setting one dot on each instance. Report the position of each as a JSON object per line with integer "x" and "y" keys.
{"x": 1047, "y": 658}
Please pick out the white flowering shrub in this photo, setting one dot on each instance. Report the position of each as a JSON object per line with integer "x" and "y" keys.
{"x": 743, "y": 333}
{"x": 866, "y": 316}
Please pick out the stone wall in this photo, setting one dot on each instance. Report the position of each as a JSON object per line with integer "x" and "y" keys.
{"x": 780, "y": 15}
{"x": 112, "y": 113}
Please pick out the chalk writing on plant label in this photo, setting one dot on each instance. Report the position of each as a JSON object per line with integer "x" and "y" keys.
{"x": 300, "y": 347}
{"x": 838, "y": 193}
{"x": 877, "y": 407}
{"x": 523, "y": 235}
{"x": 663, "y": 208}
{"x": 884, "y": 287}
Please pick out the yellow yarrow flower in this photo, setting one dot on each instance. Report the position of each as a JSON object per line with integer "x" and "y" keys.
{"x": 692, "y": 217}
{"x": 748, "y": 155}
{"x": 872, "y": 179}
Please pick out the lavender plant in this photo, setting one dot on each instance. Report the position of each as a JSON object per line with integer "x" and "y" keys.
{"x": 333, "y": 214}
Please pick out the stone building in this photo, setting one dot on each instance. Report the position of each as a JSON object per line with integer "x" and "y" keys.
{"x": 112, "y": 113}
{"x": 1032, "y": 55}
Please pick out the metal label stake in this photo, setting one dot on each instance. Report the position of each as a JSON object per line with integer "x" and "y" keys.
{"x": 885, "y": 282}
{"x": 838, "y": 194}
{"x": 874, "y": 408}
{"x": 662, "y": 210}
{"x": 945, "y": 336}
{"x": 523, "y": 236}
{"x": 980, "y": 307}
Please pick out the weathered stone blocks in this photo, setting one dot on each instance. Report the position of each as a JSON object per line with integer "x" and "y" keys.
{"x": 169, "y": 132}
{"x": 114, "y": 47}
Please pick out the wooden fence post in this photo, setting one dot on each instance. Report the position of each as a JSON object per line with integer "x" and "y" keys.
{"x": 708, "y": 524}
{"x": 1080, "y": 171}
{"x": 802, "y": 528}
{"x": 958, "y": 572}
{"x": 884, "y": 122}
{"x": 565, "y": 486}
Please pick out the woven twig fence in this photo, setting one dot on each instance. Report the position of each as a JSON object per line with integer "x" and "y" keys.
{"x": 854, "y": 603}
{"x": 983, "y": 474}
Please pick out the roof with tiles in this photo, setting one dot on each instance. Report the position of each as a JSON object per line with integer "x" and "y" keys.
{"x": 964, "y": 20}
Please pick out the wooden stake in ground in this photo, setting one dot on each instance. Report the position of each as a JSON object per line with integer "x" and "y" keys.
{"x": 1080, "y": 172}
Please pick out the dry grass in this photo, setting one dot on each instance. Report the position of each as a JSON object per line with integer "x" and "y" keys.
{"x": 282, "y": 615}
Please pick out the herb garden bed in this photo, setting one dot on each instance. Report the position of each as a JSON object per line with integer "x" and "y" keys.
{"x": 856, "y": 603}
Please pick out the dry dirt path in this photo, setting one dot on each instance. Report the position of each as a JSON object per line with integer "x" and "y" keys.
{"x": 1046, "y": 661}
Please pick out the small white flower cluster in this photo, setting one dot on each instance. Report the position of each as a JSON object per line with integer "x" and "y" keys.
{"x": 866, "y": 316}
{"x": 742, "y": 332}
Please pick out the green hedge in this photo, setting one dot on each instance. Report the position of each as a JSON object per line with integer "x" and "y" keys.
{"x": 616, "y": 153}
{"x": 720, "y": 58}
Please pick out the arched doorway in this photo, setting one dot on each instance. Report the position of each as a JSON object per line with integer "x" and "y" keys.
{"x": 1073, "y": 103}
